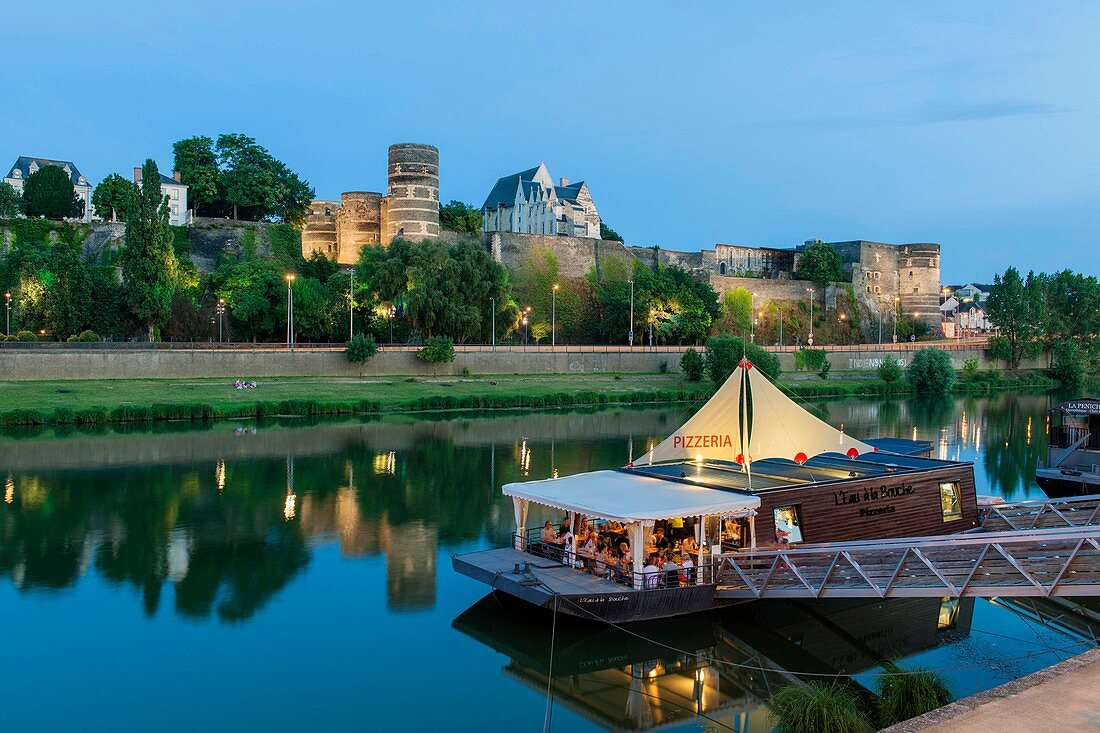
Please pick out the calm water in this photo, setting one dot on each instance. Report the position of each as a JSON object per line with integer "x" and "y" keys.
{"x": 294, "y": 576}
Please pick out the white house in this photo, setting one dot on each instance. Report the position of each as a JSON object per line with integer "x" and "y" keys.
{"x": 178, "y": 213}
{"x": 528, "y": 202}
{"x": 972, "y": 317}
{"x": 26, "y": 165}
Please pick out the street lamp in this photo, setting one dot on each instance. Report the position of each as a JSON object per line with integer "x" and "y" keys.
{"x": 752, "y": 323}
{"x": 652, "y": 315}
{"x": 525, "y": 330}
{"x": 220, "y": 310}
{"x": 290, "y": 310}
{"x": 494, "y": 337}
{"x": 897, "y": 300}
{"x": 843, "y": 317}
{"x": 630, "y": 332}
{"x": 810, "y": 339}
{"x": 554, "y": 315}
{"x": 392, "y": 312}
{"x": 351, "y": 304}
{"x": 781, "y": 324}
{"x": 7, "y": 302}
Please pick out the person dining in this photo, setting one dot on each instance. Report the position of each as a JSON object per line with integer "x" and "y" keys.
{"x": 659, "y": 540}
{"x": 652, "y": 573}
{"x": 549, "y": 536}
{"x": 601, "y": 561}
{"x": 689, "y": 545}
{"x": 672, "y": 573}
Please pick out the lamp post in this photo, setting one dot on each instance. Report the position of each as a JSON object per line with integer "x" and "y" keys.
{"x": 630, "y": 333}
{"x": 494, "y": 336}
{"x": 652, "y": 315}
{"x": 780, "y": 324}
{"x": 554, "y": 315}
{"x": 221, "y": 317}
{"x": 290, "y": 310}
{"x": 7, "y": 302}
{"x": 752, "y": 316}
{"x": 351, "y": 305}
{"x": 392, "y": 312}
{"x": 525, "y": 332}
{"x": 810, "y": 339}
{"x": 897, "y": 300}
{"x": 843, "y": 337}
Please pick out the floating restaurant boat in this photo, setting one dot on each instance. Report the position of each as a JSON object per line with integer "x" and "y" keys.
{"x": 1073, "y": 456}
{"x": 751, "y": 469}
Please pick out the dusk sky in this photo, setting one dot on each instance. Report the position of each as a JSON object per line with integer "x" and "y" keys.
{"x": 969, "y": 124}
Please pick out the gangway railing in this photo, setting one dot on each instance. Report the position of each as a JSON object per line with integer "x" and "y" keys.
{"x": 1077, "y": 511}
{"x": 1047, "y": 562}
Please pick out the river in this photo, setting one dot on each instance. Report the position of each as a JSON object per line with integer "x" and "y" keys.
{"x": 291, "y": 576}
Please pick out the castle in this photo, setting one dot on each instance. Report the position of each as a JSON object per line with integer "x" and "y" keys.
{"x": 409, "y": 209}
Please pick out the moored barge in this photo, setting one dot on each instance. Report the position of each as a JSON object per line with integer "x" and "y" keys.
{"x": 750, "y": 470}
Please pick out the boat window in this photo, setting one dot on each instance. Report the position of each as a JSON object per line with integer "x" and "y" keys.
{"x": 788, "y": 524}
{"x": 950, "y": 502}
{"x": 949, "y": 614}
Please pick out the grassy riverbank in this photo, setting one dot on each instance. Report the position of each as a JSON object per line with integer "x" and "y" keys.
{"x": 144, "y": 400}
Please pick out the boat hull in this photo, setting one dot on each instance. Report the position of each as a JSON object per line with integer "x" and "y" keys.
{"x": 1057, "y": 483}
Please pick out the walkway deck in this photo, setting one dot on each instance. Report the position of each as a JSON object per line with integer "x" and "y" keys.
{"x": 1078, "y": 511}
{"x": 1048, "y": 562}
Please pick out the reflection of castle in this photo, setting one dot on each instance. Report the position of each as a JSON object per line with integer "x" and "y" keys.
{"x": 409, "y": 209}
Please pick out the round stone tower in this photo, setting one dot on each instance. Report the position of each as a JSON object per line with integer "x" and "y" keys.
{"x": 412, "y": 203}
{"x": 358, "y": 223}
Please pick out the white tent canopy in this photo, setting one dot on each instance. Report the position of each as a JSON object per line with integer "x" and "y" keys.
{"x": 626, "y": 497}
{"x": 777, "y": 428}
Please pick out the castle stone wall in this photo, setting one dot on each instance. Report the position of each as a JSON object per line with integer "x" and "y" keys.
{"x": 319, "y": 231}
{"x": 576, "y": 255}
{"x": 358, "y": 223}
{"x": 412, "y": 201}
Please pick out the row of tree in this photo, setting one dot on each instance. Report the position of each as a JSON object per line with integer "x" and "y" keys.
{"x": 1057, "y": 314}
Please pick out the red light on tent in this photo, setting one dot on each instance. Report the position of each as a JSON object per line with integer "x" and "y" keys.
{"x": 801, "y": 458}
{"x": 748, "y": 364}
{"x": 631, "y": 464}
{"x": 740, "y": 458}
{"x": 853, "y": 452}
{"x": 874, "y": 449}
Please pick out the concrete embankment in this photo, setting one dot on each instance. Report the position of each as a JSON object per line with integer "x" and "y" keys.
{"x": 1059, "y": 698}
{"x": 90, "y": 363}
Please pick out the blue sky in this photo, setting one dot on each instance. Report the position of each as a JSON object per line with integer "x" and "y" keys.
{"x": 969, "y": 124}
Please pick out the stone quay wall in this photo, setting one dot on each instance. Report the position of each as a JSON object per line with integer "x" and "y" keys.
{"x": 60, "y": 364}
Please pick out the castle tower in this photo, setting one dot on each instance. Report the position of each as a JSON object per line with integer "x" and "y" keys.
{"x": 358, "y": 223}
{"x": 319, "y": 231}
{"x": 411, "y": 208}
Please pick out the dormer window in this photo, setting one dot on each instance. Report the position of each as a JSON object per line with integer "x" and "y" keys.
{"x": 16, "y": 173}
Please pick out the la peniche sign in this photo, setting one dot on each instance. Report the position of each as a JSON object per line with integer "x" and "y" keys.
{"x": 1080, "y": 407}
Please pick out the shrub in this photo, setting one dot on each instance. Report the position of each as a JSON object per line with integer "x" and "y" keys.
{"x": 930, "y": 371}
{"x": 970, "y": 369}
{"x": 889, "y": 370}
{"x": 905, "y": 694}
{"x": 817, "y": 708}
{"x": 1069, "y": 364}
{"x": 691, "y": 364}
{"x": 809, "y": 359}
{"x": 437, "y": 350}
{"x": 361, "y": 348}
{"x": 1000, "y": 348}
{"x": 25, "y": 336}
{"x": 724, "y": 352}
{"x": 823, "y": 370}
{"x": 663, "y": 369}
{"x": 88, "y": 337}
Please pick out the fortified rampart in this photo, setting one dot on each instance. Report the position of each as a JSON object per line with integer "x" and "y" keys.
{"x": 576, "y": 256}
{"x": 412, "y": 200}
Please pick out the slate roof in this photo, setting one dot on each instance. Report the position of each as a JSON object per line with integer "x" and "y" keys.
{"x": 168, "y": 180}
{"x": 504, "y": 192}
{"x": 969, "y": 306}
{"x": 569, "y": 193}
{"x": 23, "y": 163}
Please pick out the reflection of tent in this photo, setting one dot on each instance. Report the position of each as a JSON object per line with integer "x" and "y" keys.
{"x": 750, "y": 416}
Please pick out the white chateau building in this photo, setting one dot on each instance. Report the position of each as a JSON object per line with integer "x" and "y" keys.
{"x": 528, "y": 202}
{"x": 178, "y": 214}
{"x": 26, "y": 165}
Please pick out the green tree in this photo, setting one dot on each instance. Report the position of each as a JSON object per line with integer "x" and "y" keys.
{"x": 11, "y": 203}
{"x": 691, "y": 364}
{"x": 49, "y": 192}
{"x": 1069, "y": 364}
{"x": 198, "y": 166}
{"x": 820, "y": 262}
{"x": 255, "y": 295}
{"x": 736, "y": 312}
{"x": 607, "y": 232}
{"x": 930, "y": 371}
{"x": 67, "y": 302}
{"x": 256, "y": 185}
{"x": 725, "y": 352}
{"x": 361, "y": 348}
{"x": 889, "y": 370}
{"x": 112, "y": 197}
{"x": 456, "y": 216}
{"x": 148, "y": 258}
{"x": 1016, "y": 308}
{"x": 437, "y": 350}
{"x": 680, "y": 307}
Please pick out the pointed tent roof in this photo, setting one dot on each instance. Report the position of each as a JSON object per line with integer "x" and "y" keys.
{"x": 777, "y": 427}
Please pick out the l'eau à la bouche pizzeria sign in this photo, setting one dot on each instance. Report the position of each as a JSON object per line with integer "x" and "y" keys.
{"x": 873, "y": 500}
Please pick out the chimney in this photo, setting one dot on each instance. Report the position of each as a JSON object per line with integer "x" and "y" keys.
{"x": 564, "y": 182}
{"x": 137, "y": 174}
{"x": 176, "y": 176}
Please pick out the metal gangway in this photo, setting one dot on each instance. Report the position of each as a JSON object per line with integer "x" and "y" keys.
{"x": 1019, "y": 562}
{"x": 1077, "y": 511}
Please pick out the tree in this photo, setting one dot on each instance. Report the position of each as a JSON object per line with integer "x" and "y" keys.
{"x": 257, "y": 185}
{"x": 437, "y": 350}
{"x": 361, "y": 348}
{"x": 820, "y": 263}
{"x": 691, "y": 364}
{"x": 930, "y": 372}
{"x": 736, "y": 312}
{"x": 1069, "y": 364}
{"x": 1016, "y": 308}
{"x": 49, "y": 192}
{"x": 112, "y": 197}
{"x": 608, "y": 233}
{"x": 198, "y": 167}
{"x": 889, "y": 370}
{"x": 148, "y": 258}
{"x": 11, "y": 203}
{"x": 254, "y": 292}
{"x": 725, "y": 352}
{"x": 67, "y": 302}
{"x": 459, "y": 217}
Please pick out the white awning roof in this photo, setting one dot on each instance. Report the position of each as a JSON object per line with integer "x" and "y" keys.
{"x": 628, "y": 497}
